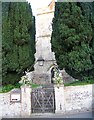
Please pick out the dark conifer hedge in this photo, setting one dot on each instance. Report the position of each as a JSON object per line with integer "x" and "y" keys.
{"x": 18, "y": 40}
{"x": 73, "y": 39}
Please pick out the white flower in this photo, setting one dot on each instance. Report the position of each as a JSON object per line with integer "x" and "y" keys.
{"x": 57, "y": 78}
{"x": 24, "y": 80}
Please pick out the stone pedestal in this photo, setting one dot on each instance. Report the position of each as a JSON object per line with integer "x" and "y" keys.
{"x": 25, "y": 101}
{"x": 59, "y": 98}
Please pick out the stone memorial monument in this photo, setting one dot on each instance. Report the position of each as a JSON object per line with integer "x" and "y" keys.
{"x": 44, "y": 57}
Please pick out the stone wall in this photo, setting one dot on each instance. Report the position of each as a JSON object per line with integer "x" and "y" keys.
{"x": 74, "y": 99}
{"x": 9, "y": 109}
{"x": 67, "y": 100}
{"x": 78, "y": 98}
{"x": 15, "y": 109}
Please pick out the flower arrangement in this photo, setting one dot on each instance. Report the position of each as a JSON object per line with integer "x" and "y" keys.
{"x": 25, "y": 81}
{"x": 57, "y": 78}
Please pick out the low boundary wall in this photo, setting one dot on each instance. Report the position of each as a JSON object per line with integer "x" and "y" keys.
{"x": 67, "y": 99}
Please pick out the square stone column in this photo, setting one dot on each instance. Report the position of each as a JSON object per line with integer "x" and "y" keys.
{"x": 59, "y": 99}
{"x": 25, "y": 100}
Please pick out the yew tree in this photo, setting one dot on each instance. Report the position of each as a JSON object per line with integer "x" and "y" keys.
{"x": 18, "y": 41}
{"x": 72, "y": 36}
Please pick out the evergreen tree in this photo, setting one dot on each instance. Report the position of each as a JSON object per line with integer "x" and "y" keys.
{"x": 71, "y": 38}
{"x": 18, "y": 41}
{"x": 88, "y": 12}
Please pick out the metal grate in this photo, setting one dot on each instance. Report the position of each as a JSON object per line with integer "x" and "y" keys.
{"x": 43, "y": 100}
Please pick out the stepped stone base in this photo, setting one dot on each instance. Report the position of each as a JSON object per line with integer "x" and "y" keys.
{"x": 43, "y": 78}
{"x": 66, "y": 77}
{"x": 37, "y": 78}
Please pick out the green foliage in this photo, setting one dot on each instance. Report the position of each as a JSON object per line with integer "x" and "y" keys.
{"x": 18, "y": 41}
{"x": 11, "y": 78}
{"x": 6, "y": 88}
{"x": 71, "y": 40}
{"x": 78, "y": 83}
{"x": 9, "y": 87}
{"x": 35, "y": 85}
{"x": 88, "y": 12}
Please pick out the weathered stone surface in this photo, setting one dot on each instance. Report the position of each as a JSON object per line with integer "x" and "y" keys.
{"x": 78, "y": 98}
{"x": 59, "y": 99}
{"x": 9, "y": 109}
{"x": 93, "y": 97}
{"x": 43, "y": 78}
{"x": 74, "y": 99}
{"x": 66, "y": 77}
{"x": 43, "y": 38}
{"x": 15, "y": 109}
{"x": 26, "y": 101}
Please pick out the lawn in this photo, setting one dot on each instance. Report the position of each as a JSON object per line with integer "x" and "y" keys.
{"x": 77, "y": 83}
{"x": 9, "y": 87}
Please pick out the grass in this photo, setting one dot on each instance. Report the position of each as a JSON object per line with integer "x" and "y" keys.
{"x": 77, "y": 83}
{"x": 35, "y": 85}
{"x": 9, "y": 87}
